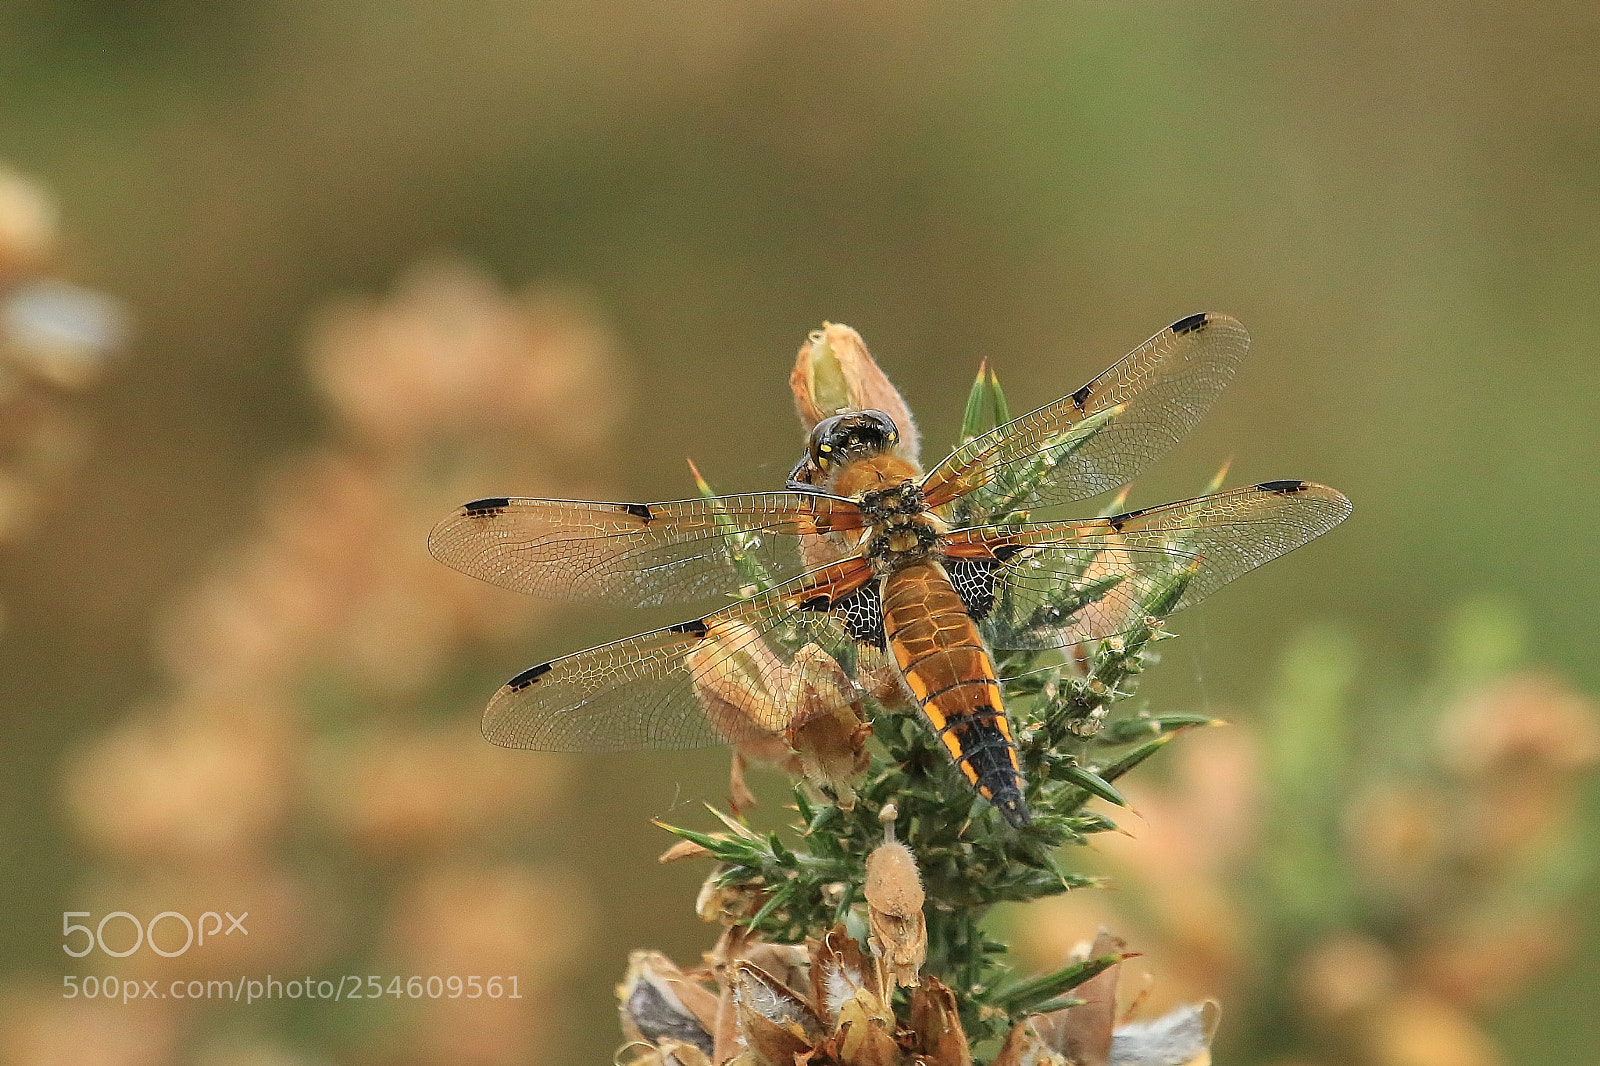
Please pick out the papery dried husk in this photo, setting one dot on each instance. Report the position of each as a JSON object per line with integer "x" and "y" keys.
{"x": 683, "y": 849}
{"x": 804, "y": 717}
{"x": 669, "y": 1053}
{"x": 731, "y": 905}
{"x": 864, "y": 1036}
{"x": 839, "y": 970}
{"x": 827, "y": 727}
{"x": 740, "y": 682}
{"x": 1024, "y": 1048}
{"x": 661, "y": 1005}
{"x": 937, "y": 1035}
{"x": 785, "y": 962}
{"x": 775, "y": 1024}
{"x": 894, "y": 911}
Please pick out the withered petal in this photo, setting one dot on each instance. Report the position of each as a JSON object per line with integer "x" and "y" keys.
{"x": 936, "y": 1025}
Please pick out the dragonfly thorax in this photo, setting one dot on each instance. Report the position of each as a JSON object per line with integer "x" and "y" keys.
{"x": 901, "y": 529}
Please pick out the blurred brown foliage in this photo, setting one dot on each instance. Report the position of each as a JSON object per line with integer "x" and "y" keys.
{"x": 308, "y": 759}
{"x": 1372, "y": 910}
{"x": 55, "y": 340}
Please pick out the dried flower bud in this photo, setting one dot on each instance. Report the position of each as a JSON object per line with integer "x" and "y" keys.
{"x": 936, "y": 1025}
{"x": 776, "y": 1024}
{"x": 728, "y": 904}
{"x": 834, "y": 372}
{"x": 750, "y": 692}
{"x": 827, "y": 728}
{"x": 739, "y": 693}
{"x": 659, "y": 1004}
{"x": 894, "y": 911}
{"x": 840, "y": 972}
{"x": 1024, "y": 1048}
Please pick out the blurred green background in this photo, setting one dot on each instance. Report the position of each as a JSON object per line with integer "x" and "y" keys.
{"x": 1399, "y": 199}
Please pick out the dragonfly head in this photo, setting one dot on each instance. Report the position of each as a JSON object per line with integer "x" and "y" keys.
{"x": 846, "y": 438}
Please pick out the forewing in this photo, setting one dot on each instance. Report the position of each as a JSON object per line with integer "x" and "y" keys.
{"x": 720, "y": 679}
{"x": 1100, "y": 436}
{"x": 636, "y": 554}
{"x": 1060, "y": 583}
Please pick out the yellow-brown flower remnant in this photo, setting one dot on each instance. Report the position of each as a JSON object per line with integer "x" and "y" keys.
{"x": 828, "y": 1004}
{"x": 894, "y": 905}
{"x": 803, "y": 716}
{"x": 309, "y": 758}
{"x": 835, "y": 374}
{"x": 1433, "y": 868}
{"x": 55, "y": 340}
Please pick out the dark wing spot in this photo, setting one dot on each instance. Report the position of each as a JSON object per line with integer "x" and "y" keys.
{"x": 695, "y": 627}
{"x": 1118, "y": 521}
{"x": 1006, "y": 552}
{"x": 493, "y": 505}
{"x": 1282, "y": 488}
{"x": 1190, "y": 324}
{"x": 641, "y": 511}
{"x": 528, "y": 677}
{"x": 817, "y": 603}
{"x": 1081, "y": 397}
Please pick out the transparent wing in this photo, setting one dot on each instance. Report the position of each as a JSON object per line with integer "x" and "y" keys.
{"x": 1100, "y": 436}
{"x": 637, "y": 554}
{"x": 734, "y": 675}
{"x": 1059, "y": 583}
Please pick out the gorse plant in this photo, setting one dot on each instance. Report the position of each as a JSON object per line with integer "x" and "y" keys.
{"x": 856, "y": 933}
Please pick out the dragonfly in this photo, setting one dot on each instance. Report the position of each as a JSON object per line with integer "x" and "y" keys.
{"x": 872, "y": 567}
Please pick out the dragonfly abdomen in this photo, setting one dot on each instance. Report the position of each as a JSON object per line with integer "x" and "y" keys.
{"x": 943, "y": 660}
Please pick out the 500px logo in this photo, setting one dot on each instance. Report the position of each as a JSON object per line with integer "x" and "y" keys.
{"x": 194, "y": 933}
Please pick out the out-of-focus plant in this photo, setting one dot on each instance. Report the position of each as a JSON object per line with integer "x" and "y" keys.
{"x": 312, "y": 757}
{"x": 1363, "y": 875}
{"x": 55, "y": 340}
{"x": 856, "y": 935}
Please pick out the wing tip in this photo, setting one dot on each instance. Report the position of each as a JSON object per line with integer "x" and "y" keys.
{"x": 1338, "y": 504}
{"x": 1210, "y": 322}
{"x": 473, "y": 510}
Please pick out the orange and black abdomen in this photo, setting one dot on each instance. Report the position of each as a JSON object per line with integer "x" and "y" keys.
{"x": 942, "y": 657}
